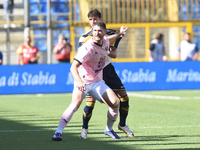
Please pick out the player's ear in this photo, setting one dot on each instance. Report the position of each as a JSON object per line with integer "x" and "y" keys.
{"x": 100, "y": 19}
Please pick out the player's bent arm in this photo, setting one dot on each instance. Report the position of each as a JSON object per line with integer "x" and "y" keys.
{"x": 113, "y": 37}
{"x": 112, "y": 52}
{"x": 74, "y": 70}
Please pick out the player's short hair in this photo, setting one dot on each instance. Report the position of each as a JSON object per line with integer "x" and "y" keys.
{"x": 94, "y": 13}
{"x": 101, "y": 24}
{"x": 159, "y": 36}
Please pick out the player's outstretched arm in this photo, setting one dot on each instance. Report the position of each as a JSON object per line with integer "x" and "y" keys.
{"x": 113, "y": 37}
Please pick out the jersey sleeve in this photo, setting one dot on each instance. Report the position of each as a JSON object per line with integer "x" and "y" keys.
{"x": 116, "y": 42}
{"x": 80, "y": 42}
{"x": 83, "y": 55}
{"x": 83, "y": 39}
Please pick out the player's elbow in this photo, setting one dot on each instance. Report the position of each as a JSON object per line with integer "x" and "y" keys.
{"x": 114, "y": 56}
{"x": 113, "y": 52}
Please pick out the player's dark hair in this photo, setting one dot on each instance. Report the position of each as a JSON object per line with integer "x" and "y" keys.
{"x": 159, "y": 36}
{"x": 101, "y": 24}
{"x": 94, "y": 13}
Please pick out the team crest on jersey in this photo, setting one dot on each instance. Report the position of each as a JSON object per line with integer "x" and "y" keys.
{"x": 106, "y": 48}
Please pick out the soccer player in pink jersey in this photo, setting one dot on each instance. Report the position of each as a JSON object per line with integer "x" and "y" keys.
{"x": 87, "y": 72}
{"x": 109, "y": 76}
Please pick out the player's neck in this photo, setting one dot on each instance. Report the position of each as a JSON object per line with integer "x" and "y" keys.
{"x": 98, "y": 42}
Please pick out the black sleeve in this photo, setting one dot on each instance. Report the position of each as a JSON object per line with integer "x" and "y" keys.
{"x": 152, "y": 46}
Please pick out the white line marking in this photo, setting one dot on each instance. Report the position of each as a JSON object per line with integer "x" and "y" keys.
{"x": 163, "y": 97}
{"x": 155, "y": 96}
{"x": 190, "y": 126}
{"x": 196, "y": 97}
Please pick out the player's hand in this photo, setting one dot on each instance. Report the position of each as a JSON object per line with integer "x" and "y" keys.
{"x": 123, "y": 29}
{"x": 82, "y": 86}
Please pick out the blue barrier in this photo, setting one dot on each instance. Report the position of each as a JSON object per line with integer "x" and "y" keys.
{"x": 30, "y": 79}
{"x": 56, "y": 78}
{"x": 159, "y": 75}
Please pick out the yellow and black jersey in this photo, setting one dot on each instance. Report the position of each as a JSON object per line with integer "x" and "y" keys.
{"x": 86, "y": 36}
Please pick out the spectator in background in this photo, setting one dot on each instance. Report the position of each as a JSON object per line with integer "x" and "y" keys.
{"x": 30, "y": 55}
{"x": 157, "y": 49}
{"x": 8, "y": 6}
{"x": 62, "y": 49}
{"x": 1, "y": 58}
{"x": 188, "y": 50}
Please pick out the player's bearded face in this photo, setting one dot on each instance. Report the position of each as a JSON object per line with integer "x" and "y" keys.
{"x": 98, "y": 34}
{"x": 93, "y": 20}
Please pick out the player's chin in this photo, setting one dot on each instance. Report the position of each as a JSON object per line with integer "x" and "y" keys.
{"x": 97, "y": 38}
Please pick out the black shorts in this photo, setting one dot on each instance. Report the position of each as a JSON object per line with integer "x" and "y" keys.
{"x": 112, "y": 79}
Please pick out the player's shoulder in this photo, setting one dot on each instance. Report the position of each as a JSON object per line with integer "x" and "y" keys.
{"x": 111, "y": 31}
{"x": 88, "y": 33}
{"x": 106, "y": 43}
{"x": 106, "y": 39}
{"x": 88, "y": 43}
{"x": 85, "y": 36}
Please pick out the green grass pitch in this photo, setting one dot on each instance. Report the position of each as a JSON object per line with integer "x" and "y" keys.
{"x": 159, "y": 120}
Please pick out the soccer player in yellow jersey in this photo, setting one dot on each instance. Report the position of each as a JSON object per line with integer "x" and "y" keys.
{"x": 109, "y": 76}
